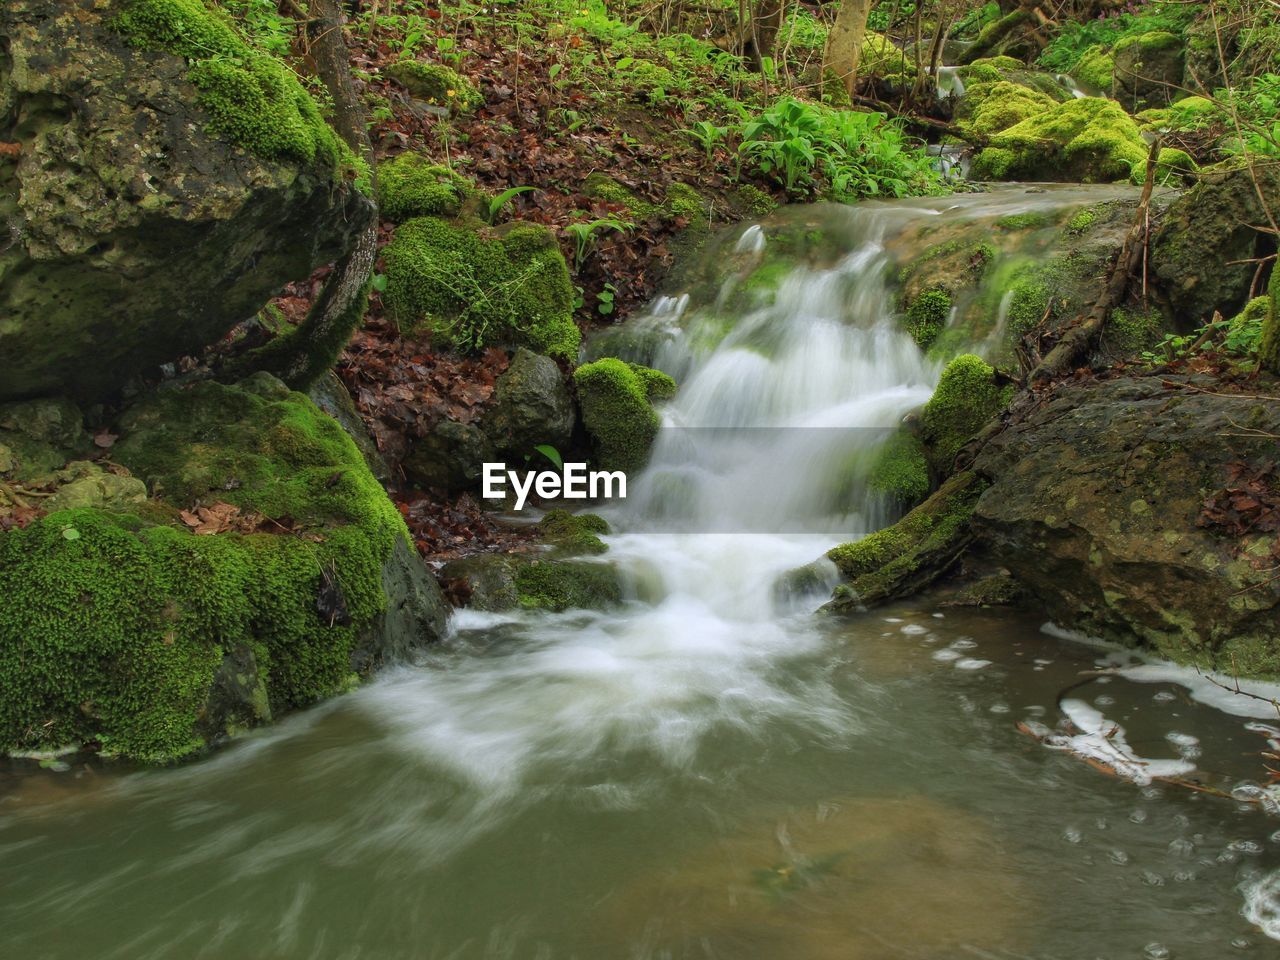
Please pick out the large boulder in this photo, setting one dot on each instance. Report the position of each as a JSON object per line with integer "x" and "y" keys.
{"x": 531, "y": 406}
{"x": 1201, "y": 251}
{"x": 1100, "y": 504}
{"x": 251, "y": 564}
{"x": 168, "y": 180}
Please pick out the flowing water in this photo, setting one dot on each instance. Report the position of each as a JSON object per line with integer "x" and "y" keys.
{"x": 712, "y": 771}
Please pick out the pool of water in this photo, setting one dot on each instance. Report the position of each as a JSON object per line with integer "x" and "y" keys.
{"x": 867, "y": 793}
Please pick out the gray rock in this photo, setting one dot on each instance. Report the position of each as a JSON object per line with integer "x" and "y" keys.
{"x": 417, "y": 613}
{"x": 130, "y": 234}
{"x": 1095, "y": 505}
{"x": 531, "y": 406}
{"x": 450, "y": 458}
{"x": 1196, "y": 253}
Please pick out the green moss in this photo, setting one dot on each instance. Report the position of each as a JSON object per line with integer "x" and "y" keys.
{"x": 616, "y": 411}
{"x": 1023, "y": 221}
{"x": 1128, "y": 332}
{"x": 908, "y": 555}
{"x": 1028, "y": 303}
{"x": 573, "y": 533}
{"x": 900, "y": 469}
{"x": 881, "y": 56}
{"x": 436, "y": 83}
{"x": 567, "y": 585}
{"x": 254, "y": 101}
{"x": 966, "y": 398}
{"x": 927, "y": 315}
{"x": 657, "y": 385}
{"x": 112, "y": 629}
{"x": 989, "y": 108}
{"x": 474, "y": 287}
{"x": 1269, "y": 351}
{"x": 412, "y": 186}
{"x": 1081, "y": 222}
{"x": 754, "y": 200}
{"x": 1090, "y": 140}
{"x": 1095, "y": 69}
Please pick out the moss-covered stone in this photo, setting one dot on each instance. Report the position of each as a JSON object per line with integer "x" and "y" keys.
{"x": 989, "y": 108}
{"x": 906, "y": 557}
{"x": 616, "y": 402}
{"x": 253, "y": 99}
{"x": 1095, "y": 70}
{"x": 1129, "y": 331}
{"x": 474, "y": 287}
{"x": 117, "y": 629}
{"x": 900, "y": 470}
{"x": 1090, "y": 140}
{"x": 1010, "y": 35}
{"x": 156, "y": 204}
{"x": 559, "y": 585}
{"x": 573, "y": 533}
{"x": 436, "y": 83}
{"x": 412, "y": 185}
{"x": 1148, "y": 69}
{"x": 927, "y": 315}
{"x": 966, "y": 398}
{"x": 41, "y": 435}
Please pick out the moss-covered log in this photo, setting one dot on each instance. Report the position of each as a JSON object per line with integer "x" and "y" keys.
{"x": 908, "y": 556}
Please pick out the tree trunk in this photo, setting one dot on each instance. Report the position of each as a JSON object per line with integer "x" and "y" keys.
{"x": 844, "y": 44}
{"x": 302, "y": 356}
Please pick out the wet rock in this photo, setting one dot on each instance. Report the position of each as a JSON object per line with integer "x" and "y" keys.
{"x": 1095, "y": 506}
{"x": 451, "y": 457}
{"x": 1197, "y": 251}
{"x": 489, "y": 581}
{"x": 507, "y": 582}
{"x": 416, "y": 614}
{"x": 531, "y": 406}
{"x": 134, "y": 233}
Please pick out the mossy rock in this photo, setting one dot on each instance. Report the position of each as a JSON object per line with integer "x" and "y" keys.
{"x": 900, "y": 470}
{"x": 475, "y": 286}
{"x": 172, "y": 178}
{"x": 909, "y": 555}
{"x": 119, "y": 628}
{"x": 559, "y": 585}
{"x": 1088, "y": 140}
{"x": 1095, "y": 70}
{"x": 1148, "y": 69}
{"x": 616, "y": 401}
{"x": 882, "y": 57}
{"x": 412, "y": 185}
{"x": 1130, "y": 331}
{"x": 253, "y": 99}
{"x": 572, "y": 534}
{"x": 437, "y": 84}
{"x": 1269, "y": 350}
{"x": 1201, "y": 249}
{"x": 988, "y": 108}
{"x": 40, "y": 436}
{"x": 1009, "y": 36}
{"x": 927, "y": 316}
{"x": 967, "y": 397}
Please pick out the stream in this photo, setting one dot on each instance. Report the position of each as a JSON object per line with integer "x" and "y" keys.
{"x": 713, "y": 771}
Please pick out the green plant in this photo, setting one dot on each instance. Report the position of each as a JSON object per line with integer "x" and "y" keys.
{"x": 707, "y": 135}
{"x": 505, "y": 197}
{"x": 605, "y": 300}
{"x": 857, "y": 154}
{"x": 585, "y": 236}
